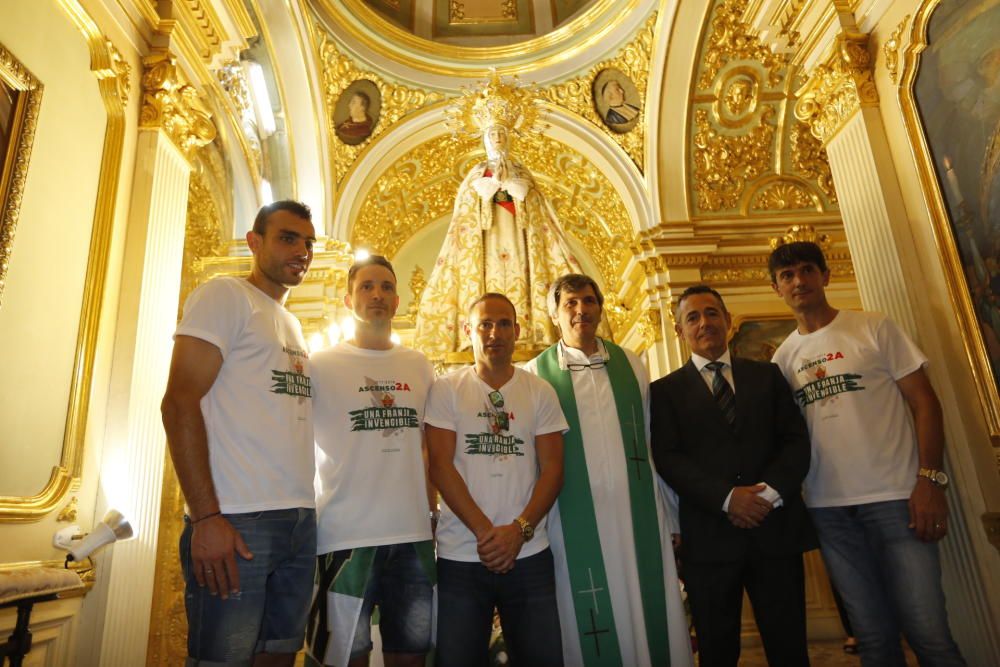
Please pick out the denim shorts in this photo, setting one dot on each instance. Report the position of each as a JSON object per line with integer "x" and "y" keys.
{"x": 269, "y": 613}
{"x": 399, "y": 578}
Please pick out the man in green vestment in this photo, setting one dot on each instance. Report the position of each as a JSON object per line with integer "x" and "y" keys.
{"x": 610, "y": 529}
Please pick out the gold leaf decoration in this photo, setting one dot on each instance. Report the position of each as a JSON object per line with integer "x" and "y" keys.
{"x": 782, "y": 196}
{"x": 338, "y": 72}
{"x": 576, "y": 94}
{"x": 838, "y": 88}
{"x": 891, "y": 49}
{"x": 809, "y": 159}
{"x": 168, "y": 102}
{"x": 724, "y": 164}
{"x": 729, "y": 40}
{"x": 744, "y": 137}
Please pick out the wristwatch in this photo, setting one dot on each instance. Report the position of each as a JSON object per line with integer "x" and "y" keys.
{"x": 527, "y": 530}
{"x": 937, "y": 477}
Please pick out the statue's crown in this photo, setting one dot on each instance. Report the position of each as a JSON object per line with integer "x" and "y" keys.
{"x": 496, "y": 102}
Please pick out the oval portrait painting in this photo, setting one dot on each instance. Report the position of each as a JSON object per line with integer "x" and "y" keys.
{"x": 616, "y": 100}
{"x": 357, "y": 111}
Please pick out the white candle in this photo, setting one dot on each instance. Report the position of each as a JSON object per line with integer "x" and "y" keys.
{"x": 952, "y": 179}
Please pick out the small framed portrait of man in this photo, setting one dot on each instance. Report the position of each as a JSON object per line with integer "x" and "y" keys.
{"x": 357, "y": 112}
{"x": 616, "y": 100}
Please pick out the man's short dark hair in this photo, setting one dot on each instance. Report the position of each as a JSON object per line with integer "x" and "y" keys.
{"x": 698, "y": 289}
{"x": 790, "y": 254}
{"x": 370, "y": 260}
{"x": 294, "y": 207}
{"x": 571, "y": 282}
{"x": 492, "y": 295}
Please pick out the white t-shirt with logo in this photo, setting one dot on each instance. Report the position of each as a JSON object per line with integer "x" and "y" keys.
{"x": 499, "y": 467}
{"x": 369, "y": 411}
{"x": 258, "y": 413}
{"x": 864, "y": 447}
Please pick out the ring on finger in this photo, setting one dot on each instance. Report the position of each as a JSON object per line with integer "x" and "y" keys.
{"x": 208, "y": 570}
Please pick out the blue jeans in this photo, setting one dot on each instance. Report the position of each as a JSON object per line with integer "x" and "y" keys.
{"x": 269, "y": 613}
{"x": 890, "y": 582}
{"x": 525, "y": 597}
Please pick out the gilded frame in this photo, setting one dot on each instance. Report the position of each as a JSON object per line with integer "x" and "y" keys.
{"x": 14, "y": 165}
{"x": 113, "y": 79}
{"x": 943, "y": 226}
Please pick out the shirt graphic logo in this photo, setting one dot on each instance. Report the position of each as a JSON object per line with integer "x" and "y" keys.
{"x": 292, "y": 382}
{"x": 824, "y": 386}
{"x": 493, "y": 444}
{"x": 382, "y": 414}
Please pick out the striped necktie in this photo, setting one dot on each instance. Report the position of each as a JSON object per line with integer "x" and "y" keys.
{"x": 723, "y": 392}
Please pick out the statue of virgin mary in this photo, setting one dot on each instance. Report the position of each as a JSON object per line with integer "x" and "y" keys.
{"x": 503, "y": 237}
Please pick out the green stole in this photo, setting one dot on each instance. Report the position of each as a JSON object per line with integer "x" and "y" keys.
{"x": 591, "y": 598}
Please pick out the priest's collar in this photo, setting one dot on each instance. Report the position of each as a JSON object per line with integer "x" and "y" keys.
{"x": 573, "y": 359}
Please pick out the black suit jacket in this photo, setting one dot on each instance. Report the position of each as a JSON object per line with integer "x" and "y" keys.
{"x": 702, "y": 457}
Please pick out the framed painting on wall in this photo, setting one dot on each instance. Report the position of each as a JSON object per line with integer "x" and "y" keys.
{"x": 950, "y": 96}
{"x": 20, "y": 98}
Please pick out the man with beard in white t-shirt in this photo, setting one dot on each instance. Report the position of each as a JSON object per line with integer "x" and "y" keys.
{"x": 875, "y": 488}
{"x": 374, "y": 544}
{"x": 494, "y": 435}
{"x": 238, "y": 417}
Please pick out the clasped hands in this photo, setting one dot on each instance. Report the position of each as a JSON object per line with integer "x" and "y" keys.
{"x": 498, "y": 547}
{"x": 746, "y": 508}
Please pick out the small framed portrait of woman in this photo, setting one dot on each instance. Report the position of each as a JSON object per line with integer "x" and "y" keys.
{"x": 616, "y": 100}
{"x": 357, "y": 112}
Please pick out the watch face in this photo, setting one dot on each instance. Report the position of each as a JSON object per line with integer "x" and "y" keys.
{"x": 941, "y": 478}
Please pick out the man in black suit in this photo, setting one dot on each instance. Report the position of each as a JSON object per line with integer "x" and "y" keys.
{"x": 729, "y": 439}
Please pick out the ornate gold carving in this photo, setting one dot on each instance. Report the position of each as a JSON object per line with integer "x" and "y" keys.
{"x": 417, "y": 284}
{"x": 508, "y": 9}
{"x": 456, "y": 11}
{"x": 575, "y": 95}
{"x": 232, "y": 77}
{"x": 891, "y": 49}
{"x": 170, "y": 104}
{"x": 797, "y": 233}
{"x": 338, "y": 71}
{"x": 724, "y": 164}
{"x": 730, "y": 41}
{"x": 743, "y": 138}
{"x": 809, "y": 159}
{"x": 420, "y": 187}
{"x": 838, "y": 88}
{"x": 651, "y": 325}
{"x": 22, "y": 135}
{"x": 783, "y": 195}
{"x": 68, "y": 513}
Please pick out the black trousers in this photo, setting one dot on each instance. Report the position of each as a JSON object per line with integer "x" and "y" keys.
{"x": 776, "y": 587}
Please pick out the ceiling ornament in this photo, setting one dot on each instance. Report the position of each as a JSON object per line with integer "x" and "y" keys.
{"x": 838, "y": 88}
{"x": 748, "y": 155}
{"x": 170, "y": 104}
{"x": 420, "y": 188}
{"x": 576, "y": 94}
{"x": 495, "y": 102}
{"x": 233, "y": 79}
{"x": 891, "y": 49}
{"x": 338, "y": 72}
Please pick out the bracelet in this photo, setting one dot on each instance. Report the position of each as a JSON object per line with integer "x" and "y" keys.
{"x": 207, "y": 516}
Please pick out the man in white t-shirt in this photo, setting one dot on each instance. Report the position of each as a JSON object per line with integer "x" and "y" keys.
{"x": 494, "y": 435}
{"x": 875, "y": 488}
{"x": 238, "y": 417}
{"x": 375, "y": 545}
